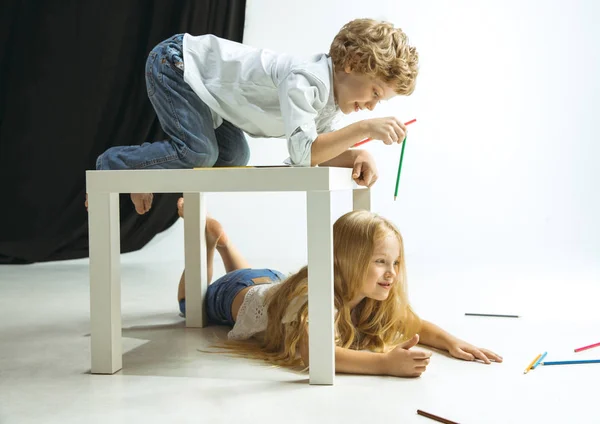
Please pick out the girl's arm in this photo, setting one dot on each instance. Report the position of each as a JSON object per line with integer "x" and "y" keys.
{"x": 351, "y": 361}
{"x": 399, "y": 362}
{"x": 434, "y": 336}
{"x": 359, "y": 362}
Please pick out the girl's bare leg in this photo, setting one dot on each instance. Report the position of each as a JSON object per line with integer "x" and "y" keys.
{"x": 232, "y": 258}
{"x": 216, "y": 239}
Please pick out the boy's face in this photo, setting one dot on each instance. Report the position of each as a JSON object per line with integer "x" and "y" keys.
{"x": 354, "y": 91}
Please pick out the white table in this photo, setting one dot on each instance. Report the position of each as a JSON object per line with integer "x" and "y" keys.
{"x": 103, "y": 188}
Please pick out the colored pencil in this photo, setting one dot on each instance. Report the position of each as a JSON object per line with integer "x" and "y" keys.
{"x": 471, "y": 314}
{"x": 366, "y": 140}
{"x": 532, "y": 362}
{"x": 539, "y": 360}
{"x": 579, "y": 349}
{"x": 399, "y": 169}
{"x": 435, "y": 417}
{"x": 583, "y": 361}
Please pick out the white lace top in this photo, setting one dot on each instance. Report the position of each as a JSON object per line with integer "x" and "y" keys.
{"x": 252, "y": 316}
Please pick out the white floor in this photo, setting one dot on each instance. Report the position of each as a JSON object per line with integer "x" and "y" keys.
{"x": 44, "y": 352}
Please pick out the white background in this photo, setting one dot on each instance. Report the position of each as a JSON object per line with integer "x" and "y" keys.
{"x": 500, "y": 168}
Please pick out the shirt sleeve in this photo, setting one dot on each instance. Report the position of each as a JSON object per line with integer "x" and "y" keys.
{"x": 331, "y": 123}
{"x": 300, "y": 100}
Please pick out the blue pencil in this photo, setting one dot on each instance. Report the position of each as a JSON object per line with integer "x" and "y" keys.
{"x": 583, "y": 361}
{"x": 539, "y": 360}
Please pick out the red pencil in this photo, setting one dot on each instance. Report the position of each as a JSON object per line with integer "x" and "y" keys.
{"x": 579, "y": 349}
{"x": 366, "y": 140}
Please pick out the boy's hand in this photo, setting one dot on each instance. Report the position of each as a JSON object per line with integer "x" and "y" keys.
{"x": 389, "y": 130}
{"x": 466, "y": 351}
{"x": 364, "y": 170}
{"x": 402, "y": 362}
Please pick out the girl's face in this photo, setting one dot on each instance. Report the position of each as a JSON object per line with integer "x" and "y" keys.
{"x": 354, "y": 92}
{"x": 383, "y": 270}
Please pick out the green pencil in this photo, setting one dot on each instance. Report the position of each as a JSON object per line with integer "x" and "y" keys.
{"x": 399, "y": 169}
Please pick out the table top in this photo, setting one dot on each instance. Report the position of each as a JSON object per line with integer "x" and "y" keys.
{"x": 234, "y": 179}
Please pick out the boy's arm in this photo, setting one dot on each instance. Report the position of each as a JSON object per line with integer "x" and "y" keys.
{"x": 345, "y": 159}
{"x": 362, "y": 163}
{"x": 329, "y": 146}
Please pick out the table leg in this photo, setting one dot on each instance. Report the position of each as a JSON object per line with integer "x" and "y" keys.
{"x": 105, "y": 282}
{"x": 361, "y": 199}
{"x": 321, "y": 343}
{"x": 195, "y": 259}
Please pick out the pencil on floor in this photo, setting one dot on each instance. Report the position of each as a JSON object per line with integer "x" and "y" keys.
{"x": 532, "y": 362}
{"x": 539, "y": 360}
{"x": 471, "y": 314}
{"x": 579, "y": 349}
{"x": 583, "y": 361}
{"x": 435, "y": 417}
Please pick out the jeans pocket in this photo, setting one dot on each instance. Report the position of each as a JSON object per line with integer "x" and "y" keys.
{"x": 177, "y": 66}
{"x": 150, "y": 83}
{"x": 173, "y": 57}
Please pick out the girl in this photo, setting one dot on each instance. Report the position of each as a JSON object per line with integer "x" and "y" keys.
{"x": 374, "y": 324}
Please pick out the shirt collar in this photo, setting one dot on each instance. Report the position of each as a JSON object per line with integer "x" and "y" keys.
{"x": 331, "y": 100}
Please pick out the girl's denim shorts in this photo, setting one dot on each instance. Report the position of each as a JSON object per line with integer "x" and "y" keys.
{"x": 220, "y": 294}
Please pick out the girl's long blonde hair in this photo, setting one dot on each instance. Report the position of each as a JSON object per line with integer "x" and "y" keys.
{"x": 380, "y": 325}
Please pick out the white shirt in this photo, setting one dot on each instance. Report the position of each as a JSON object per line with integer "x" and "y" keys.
{"x": 266, "y": 94}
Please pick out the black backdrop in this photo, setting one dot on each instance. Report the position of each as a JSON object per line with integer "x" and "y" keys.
{"x": 71, "y": 86}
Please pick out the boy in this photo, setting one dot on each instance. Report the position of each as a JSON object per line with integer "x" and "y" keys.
{"x": 208, "y": 91}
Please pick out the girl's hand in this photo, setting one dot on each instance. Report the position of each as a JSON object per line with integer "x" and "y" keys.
{"x": 463, "y": 350}
{"x": 389, "y": 130}
{"x": 403, "y": 362}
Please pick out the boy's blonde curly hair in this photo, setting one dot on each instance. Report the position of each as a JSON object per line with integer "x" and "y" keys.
{"x": 377, "y": 49}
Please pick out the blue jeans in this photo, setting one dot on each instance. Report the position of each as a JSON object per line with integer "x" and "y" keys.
{"x": 220, "y": 294}
{"x": 185, "y": 118}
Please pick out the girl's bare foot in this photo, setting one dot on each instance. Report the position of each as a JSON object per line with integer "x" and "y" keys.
{"x": 215, "y": 235}
{"x": 216, "y": 239}
{"x": 142, "y": 202}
